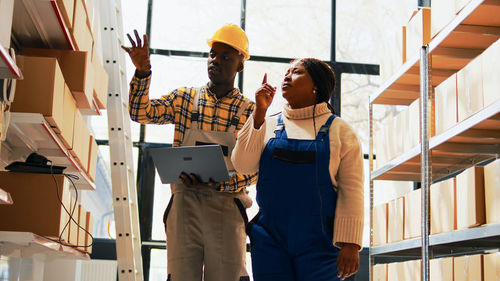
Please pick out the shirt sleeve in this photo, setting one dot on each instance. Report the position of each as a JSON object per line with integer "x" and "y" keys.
{"x": 238, "y": 182}
{"x": 146, "y": 111}
{"x": 248, "y": 149}
{"x": 349, "y": 217}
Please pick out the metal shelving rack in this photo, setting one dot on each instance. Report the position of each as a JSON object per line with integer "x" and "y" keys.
{"x": 8, "y": 67}
{"x": 40, "y": 24}
{"x": 27, "y": 244}
{"x": 29, "y": 132}
{"x": 464, "y": 145}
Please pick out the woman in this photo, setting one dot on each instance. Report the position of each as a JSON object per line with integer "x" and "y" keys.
{"x": 310, "y": 185}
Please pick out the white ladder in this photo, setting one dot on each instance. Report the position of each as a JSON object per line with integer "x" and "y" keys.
{"x": 128, "y": 240}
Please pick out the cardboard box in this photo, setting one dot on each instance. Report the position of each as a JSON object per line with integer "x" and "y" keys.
{"x": 384, "y": 142}
{"x": 93, "y": 150}
{"x": 492, "y": 191}
{"x": 491, "y": 68}
{"x": 81, "y": 33}
{"x": 403, "y": 130}
{"x": 36, "y": 206}
{"x": 395, "y": 220}
{"x": 470, "y": 198}
{"x": 412, "y": 270}
{"x": 89, "y": 226}
{"x": 418, "y": 32}
{"x": 470, "y": 89}
{"x": 82, "y": 221}
{"x": 67, "y": 7}
{"x": 380, "y": 224}
{"x": 81, "y": 142}
{"x": 393, "y": 55}
{"x": 442, "y": 200}
{"x": 396, "y": 137}
{"x": 443, "y": 12}
{"x": 414, "y": 123}
{"x": 41, "y": 90}
{"x": 468, "y": 268}
{"x": 90, "y": 10}
{"x": 446, "y": 104}
{"x": 412, "y": 214}
{"x": 97, "y": 33}
{"x": 382, "y": 137}
{"x": 390, "y": 140}
{"x": 65, "y": 133}
{"x": 77, "y": 70}
{"x": 73, "y": 227}
{"x": 380, "y": 152}
{"x": 441, "y": 269}
{"x": 379, "y": 272}
{"x": 396, "y": 271}
{"x": 492, "y": 267}
{"x": 101, "y": 80}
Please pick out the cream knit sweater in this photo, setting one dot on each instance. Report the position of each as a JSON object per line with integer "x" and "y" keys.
{"x": 346, "y": 162}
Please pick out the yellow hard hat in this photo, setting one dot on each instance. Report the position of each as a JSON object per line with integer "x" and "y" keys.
{"x": 233, "y": 36}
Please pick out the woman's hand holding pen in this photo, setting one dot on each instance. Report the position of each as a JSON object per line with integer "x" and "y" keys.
{"x": 263, "y": 99}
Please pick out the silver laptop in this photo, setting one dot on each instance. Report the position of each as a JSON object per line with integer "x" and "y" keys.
{"x": 206, "y": 161}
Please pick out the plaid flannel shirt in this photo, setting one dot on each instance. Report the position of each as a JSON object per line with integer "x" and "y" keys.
{"x": 175, "y": 108}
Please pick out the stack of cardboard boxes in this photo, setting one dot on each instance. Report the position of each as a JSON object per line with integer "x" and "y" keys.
{"x": 474, "y": 87}
{"x": 63, "y": 86}
{"x": 470, "y": 199}
{"x": 462, "y": 268}
{"x": 42, "y": 205}
{"x": 397, "y": 134}
{"x": 457, "y": 98}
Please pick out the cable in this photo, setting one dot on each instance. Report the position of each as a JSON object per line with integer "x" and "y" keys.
{"x": 70, "y": 212}
{"x": 70, "y": 178}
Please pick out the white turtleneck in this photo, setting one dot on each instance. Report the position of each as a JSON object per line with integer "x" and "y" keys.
{"x": 346, "y": 161}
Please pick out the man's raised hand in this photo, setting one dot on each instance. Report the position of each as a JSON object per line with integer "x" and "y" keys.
{"x": 139, "y": 52}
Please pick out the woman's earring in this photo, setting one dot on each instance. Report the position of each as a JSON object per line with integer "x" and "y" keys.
{"x": 314, "y": 91}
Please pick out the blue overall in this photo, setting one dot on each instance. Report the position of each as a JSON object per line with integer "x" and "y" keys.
{"x": 292, "y": 235}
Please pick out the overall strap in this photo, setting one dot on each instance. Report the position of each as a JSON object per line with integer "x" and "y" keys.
{"x": 236, "y": 118}
{"x": 323, "y": 131}
{"x": 194, "y": 113}
{"x": 280, "y": 132}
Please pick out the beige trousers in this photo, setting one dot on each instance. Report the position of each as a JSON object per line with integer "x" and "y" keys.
{"x": 206, "y": 235}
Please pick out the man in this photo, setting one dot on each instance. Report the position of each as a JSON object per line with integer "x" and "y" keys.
{"x": 204, "y": 221}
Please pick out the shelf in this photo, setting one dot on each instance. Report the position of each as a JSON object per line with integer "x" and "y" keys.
{"x": 29, "y": 132}
{"x": 29, "y": 243}
{"x": 480, "y": 238}
{"x": 5, "y": 197}
{"x": 402, "y": 88}
{"x": 39, "y": 24}
{"x": 474, "y": 140}
{"x": 8, "y": 68}
{"x": 472, "y": 31}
